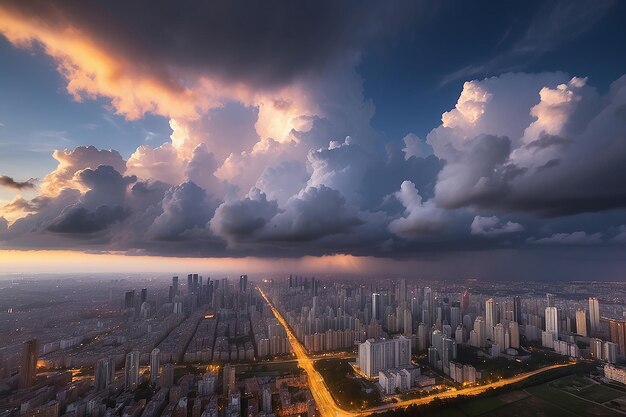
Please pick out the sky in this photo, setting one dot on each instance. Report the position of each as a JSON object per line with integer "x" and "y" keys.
{"x": 432, "y": 138}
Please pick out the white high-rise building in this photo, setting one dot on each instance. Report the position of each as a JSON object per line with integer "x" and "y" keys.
{"x": 499, "y": 336}
{"x": 155, "y": 357}
{"x": 490, "y": 317}
{"x": 552, "y": 321}
{"x": 581, "y": 322}
{"x": 594, "y": 314}
{"x": 376, "y": 355}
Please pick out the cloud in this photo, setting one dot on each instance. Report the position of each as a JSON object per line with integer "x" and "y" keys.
{"x": 72, "y": 161}
{"x": 533, "y": 143}
{"x": 419, "y": 217}
{"x": 574, "y": 238}
{"x": 493, "y": 226}
{"x": 79, "y": 220}
{"x": 9, "y": 182}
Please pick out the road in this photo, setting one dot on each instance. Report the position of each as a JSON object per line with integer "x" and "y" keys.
{"x": 329, "y": 408}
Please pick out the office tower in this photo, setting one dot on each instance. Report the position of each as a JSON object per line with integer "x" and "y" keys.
{"x": 131, "y": 370}
{"x": 129, "y": 299}
{"x": 144, "y": 295}
{"x": 377, "y": 355}
{"x": 490, "y": 317}
{"x": 581, "y": 322}
{"x": 428, "y": 305}
{"x": 290, "y": 281}
{"x": 448, "y": 351}
{"x": 617, "y": 332}
{"x": 376, "y": 306}
{"x": 28, "y": 366}
{"x": 104, "y": 373}
{"x": 171, "y": 294}
{"x": 550, "y": 300}
{"x": 189, "y": 284}
{"x": 517, "y": 309}
{"x": 175, "y": 285}
{"x": 229, "y": 381}
{"x": 194, "y": 284}
{"x": 594, "y": 315}
{"x": 465, "y": 299}
{"x": 167, "y": 376}
{"x": 552, "y": 321}
{"x": 155, "y": 357}
{"x": 243, "y": 283}
{"x": 480, "y": 328}
{"x": 514, "y": 334}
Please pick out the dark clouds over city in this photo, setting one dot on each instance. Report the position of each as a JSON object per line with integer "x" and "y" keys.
{"x": 278, "y": 137}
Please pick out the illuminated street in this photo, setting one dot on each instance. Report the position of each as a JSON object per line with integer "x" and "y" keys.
{"x": 327, "y": 405}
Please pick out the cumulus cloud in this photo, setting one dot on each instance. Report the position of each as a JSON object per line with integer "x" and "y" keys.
{"x": 6, "y": 181}
{"x": 72, "y": 161}
{"x": 493, "y": 226}
{"x": 420, "y": 217}
{"x": 536, "y": 143}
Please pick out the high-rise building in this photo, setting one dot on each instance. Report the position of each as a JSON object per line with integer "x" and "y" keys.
{"x": 465, "y": 298}
{"x": 144, "y": 295}
{"x": 402, "y": 292}
{"x": 499, "y": 336}
{"x": 581, "y": 322}
{"x": 243, "y": 283}
{"x": 131, "y": 370}
{"x": 550, "y": 300}
{"x": 167, "y": 376}
{"x": 267, "y": 399}
{"x": 594, "y": 315}
{"x": 155, "y": 357}
{"x": 129, "y": 299}
{"x": 552, "y": 321}
{"x": 609, "y": 352}
{"x": 490, "y": 317}
{"x": 514, "y": 334}
{"x": 517, "y": 309}
{"x": 174, "y": 286}
{"x": 617, "y": 332}
{"x": 376, "y": 355}
{"x": 376, "y": 306}
{"x": 28, "y": 367}
{"x": 104, "y": 373}
{"x": 229, "y": 380}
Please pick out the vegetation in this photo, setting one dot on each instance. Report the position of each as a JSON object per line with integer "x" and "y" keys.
{"x": 349, "y": 390}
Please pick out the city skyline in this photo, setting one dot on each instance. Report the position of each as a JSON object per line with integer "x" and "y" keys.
{"x": 417, "y": 139}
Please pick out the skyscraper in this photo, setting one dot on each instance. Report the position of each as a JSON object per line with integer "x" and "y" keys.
{"x": 376, "y": 306}
{"x": 517, "y": 309}
{"x": 550, "y": 300}
{"x": 131, "y": 370}
{"x": 594, "y": 315}
{"x": 28, "y": 367}
{"x": 104, "y": 373}
{"x": 175, "y": 286}
{"x": 552, "y": 321}
{"x": 465, "y": 298}
{"x": 581, "y": 322}
{"x": 144, "y": 295}
{"x": 402, "y": 292}
{"x": 490, "y": 317}
{"x": 243, "y": 283}
{"x": 129, "y": 299}
{"x": 155, "y": 357}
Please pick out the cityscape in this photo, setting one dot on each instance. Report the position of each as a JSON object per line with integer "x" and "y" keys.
{"x": 295, "y": 345}
{"x": 314, "y": 208}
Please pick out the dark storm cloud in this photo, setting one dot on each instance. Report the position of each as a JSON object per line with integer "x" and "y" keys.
{"x": 6, "y": 181}
{"x": 79, "y": 220}
{"x": 264, "y": 43}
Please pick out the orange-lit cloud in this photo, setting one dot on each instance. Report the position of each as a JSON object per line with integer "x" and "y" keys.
{"x": 92, "y": 69}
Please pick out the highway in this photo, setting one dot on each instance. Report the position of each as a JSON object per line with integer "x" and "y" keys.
{"x": 329, "y": 408}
